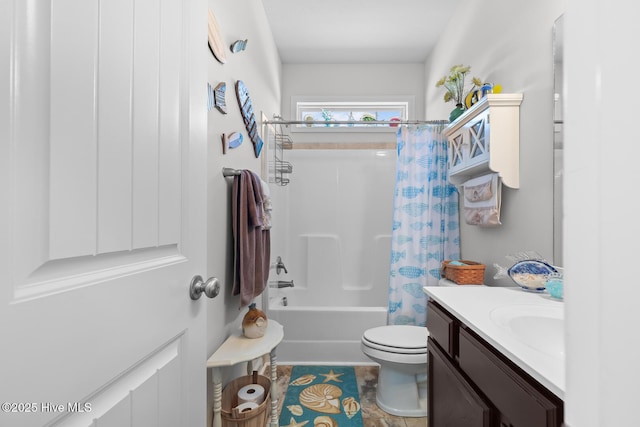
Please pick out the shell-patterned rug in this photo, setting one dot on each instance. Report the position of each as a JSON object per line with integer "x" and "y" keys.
{"x": 322, "y": 396}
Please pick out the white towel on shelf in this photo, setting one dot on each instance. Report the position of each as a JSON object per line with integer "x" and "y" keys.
{"x": 267, "y": 207}
{"x": 482, "y": 200}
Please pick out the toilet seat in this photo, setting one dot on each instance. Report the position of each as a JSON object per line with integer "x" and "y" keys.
{"x": 401, "y": 339}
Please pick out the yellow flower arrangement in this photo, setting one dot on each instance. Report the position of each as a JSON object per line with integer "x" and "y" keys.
{"x": 454, "y": 84}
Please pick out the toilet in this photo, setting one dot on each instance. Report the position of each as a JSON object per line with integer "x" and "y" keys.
{"x": 401, "y": 352}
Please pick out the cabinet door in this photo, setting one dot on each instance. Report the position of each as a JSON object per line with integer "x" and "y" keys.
{"x": 441, "y": 327}
{"x": 457, "y": 144}
{"x": 452, "y": 402}
{"x": 478, "y": 139}
{"x": 521, "y": 401}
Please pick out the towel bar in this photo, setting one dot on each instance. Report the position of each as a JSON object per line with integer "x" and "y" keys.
{"x": 230, "y": 172}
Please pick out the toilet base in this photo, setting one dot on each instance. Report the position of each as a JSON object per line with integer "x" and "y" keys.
{"x": 403, "y": 394}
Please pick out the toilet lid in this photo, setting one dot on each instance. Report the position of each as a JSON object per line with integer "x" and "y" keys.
{"x": 397, "y": 338}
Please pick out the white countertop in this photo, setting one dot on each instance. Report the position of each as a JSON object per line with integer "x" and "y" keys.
{"x": 474, "y": 305}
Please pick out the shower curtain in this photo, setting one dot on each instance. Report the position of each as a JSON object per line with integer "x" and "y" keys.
{"x": 425, "y": 222}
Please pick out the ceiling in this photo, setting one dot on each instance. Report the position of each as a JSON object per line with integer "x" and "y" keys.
{"x": 357, "y": 31}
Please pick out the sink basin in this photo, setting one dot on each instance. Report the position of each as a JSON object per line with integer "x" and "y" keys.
{"x": 540, "y": 327}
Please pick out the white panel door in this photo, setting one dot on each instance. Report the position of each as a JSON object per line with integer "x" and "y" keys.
{"x": 102, "y": 212}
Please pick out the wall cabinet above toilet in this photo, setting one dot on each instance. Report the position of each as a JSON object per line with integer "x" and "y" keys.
{"x": 486, "y": 138}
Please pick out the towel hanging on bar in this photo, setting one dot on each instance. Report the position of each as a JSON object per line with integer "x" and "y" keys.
{"x": 251, "y": 241}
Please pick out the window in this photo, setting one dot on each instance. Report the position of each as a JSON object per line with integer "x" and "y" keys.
{"x": 348, "y": 111}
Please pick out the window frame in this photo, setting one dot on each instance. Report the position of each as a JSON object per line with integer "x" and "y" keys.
{"x": 298, "y": 103}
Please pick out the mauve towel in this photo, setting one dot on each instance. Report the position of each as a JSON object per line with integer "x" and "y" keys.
{"x": 252, "y": 243}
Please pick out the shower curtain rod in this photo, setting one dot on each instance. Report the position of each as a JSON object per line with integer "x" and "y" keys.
{"x": 357, "y": 122}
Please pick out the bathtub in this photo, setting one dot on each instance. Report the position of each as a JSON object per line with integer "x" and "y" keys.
{"x": 322, "y": 332}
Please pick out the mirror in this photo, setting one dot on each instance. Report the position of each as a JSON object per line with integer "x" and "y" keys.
{"x": 557, "y": 139}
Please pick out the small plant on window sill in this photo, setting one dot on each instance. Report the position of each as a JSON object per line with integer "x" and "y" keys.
{"x": 327, "y": 116}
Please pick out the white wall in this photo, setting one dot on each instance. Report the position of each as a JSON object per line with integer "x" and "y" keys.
{"x": 507, "y": 43}
{"x": 351, "y": 81}
{"x": 259, "y": 67}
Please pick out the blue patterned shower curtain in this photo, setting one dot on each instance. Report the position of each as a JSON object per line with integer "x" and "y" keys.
{"x": 425, "y": 222}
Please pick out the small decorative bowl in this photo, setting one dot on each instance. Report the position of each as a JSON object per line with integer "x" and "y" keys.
{"x": 555, "y": 285}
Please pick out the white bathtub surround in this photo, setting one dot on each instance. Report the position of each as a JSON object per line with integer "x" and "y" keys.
{"x": 332, "y": 227}
{"x": 526, "y": 327}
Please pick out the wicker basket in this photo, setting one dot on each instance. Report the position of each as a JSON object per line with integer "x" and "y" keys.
{"x": 470, "y": 274}
{"x": 257, "y": 417}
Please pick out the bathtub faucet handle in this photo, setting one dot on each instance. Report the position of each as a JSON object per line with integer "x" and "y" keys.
{"x": 280, "y": 266}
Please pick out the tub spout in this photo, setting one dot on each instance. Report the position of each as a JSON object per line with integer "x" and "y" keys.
{"x": 281, "y": 284}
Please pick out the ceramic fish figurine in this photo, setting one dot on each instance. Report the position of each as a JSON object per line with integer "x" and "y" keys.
{"x": 233, "y": 140}
{"x": 529, "y": 271}
{"x": 239, "y": 45}
{"x": 210, "y": 97}
{"x": 219, "y": 97}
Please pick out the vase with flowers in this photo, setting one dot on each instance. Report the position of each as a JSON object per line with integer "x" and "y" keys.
{"x": 455, "y": 86}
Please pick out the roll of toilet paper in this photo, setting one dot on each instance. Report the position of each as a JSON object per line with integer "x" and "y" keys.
{"x": 245, "y": 407}
{"x": 253, "y": 393}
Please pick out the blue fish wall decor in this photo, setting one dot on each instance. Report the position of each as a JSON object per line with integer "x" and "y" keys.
{"x": 239, "y": 45}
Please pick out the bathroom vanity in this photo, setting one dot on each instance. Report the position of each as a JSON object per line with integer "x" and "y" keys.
{"x": 496, "y": 357}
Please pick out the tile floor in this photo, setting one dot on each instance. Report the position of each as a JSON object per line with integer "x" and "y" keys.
{"x": 372, "y": 416}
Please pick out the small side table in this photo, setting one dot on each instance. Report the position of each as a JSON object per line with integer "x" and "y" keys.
{"x": 237, "y": 349}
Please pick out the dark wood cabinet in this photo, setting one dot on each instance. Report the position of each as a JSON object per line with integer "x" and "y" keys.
{"x": 457, "y": 403}
{"x": 473, "y": 384}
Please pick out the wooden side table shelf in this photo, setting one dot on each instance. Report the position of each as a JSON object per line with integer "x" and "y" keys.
{"x": 238, "y": 349}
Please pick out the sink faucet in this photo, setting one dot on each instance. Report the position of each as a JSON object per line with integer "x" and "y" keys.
{"x": 280, "y": 266}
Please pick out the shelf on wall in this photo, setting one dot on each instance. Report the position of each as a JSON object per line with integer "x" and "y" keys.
{"x": 486, "y": 138}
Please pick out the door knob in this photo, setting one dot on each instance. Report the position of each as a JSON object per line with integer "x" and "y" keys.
{"x": 210, "y": 288}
